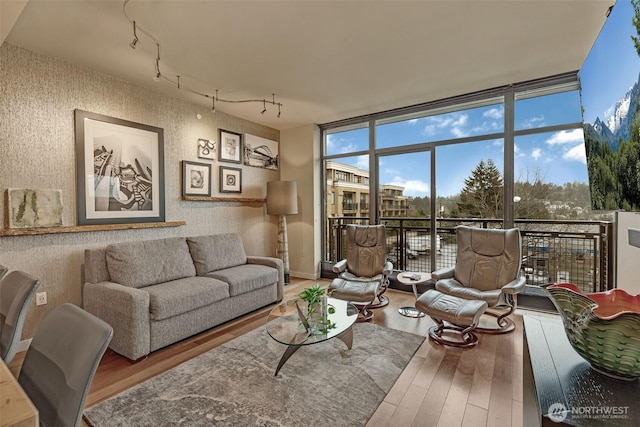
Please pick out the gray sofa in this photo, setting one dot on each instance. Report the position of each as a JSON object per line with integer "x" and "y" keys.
{"x": 157, "y": 292}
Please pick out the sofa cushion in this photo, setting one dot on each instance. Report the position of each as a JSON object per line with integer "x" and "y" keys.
{"x": 246, "y": 278}
{"x": 139, "y": 264}
{"x": 211, "y": 253}
{"x": 179, "y": 296}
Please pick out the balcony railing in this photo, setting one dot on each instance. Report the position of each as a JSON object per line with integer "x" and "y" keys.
{"x": 580, "y": 252}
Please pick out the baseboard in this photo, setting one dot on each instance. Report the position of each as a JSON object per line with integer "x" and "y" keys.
{"x": 306, "y": 276}
{"x": 24, "y": 345}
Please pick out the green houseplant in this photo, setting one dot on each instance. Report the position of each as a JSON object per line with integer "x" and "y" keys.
{"x": 315, "y": 297}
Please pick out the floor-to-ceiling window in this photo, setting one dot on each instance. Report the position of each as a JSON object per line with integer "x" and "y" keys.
{"x": 501, "y": 155}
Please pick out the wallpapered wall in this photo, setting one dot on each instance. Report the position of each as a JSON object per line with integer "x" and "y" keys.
{"x": 38, "y": 96}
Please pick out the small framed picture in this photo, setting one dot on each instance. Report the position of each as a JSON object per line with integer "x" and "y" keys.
{"x": 206, "y": 149}
{"x": 230, "y": 180}
{"x": 196, "y": 179}
{"x": 230, "y": 147}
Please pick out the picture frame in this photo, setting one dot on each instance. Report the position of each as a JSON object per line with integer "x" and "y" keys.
{"x": 196, "y": 179}
{"x": 206, "y": 149}
{"x": 260, "y": 152}
{"x": 119, "y": 170}
{"x": 230, "y": 180}
{"x": 230, "y": 147}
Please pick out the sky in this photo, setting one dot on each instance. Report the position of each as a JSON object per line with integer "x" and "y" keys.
{"x": 612, "y": 66}
{"x": 557, "y": 157}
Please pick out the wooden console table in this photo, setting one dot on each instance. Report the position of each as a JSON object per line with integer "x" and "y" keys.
{"x": 15, "y": 407}
{"x": 554, "y": 375}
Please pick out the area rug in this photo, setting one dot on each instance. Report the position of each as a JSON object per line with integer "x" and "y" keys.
{"x": 234, "y": 384}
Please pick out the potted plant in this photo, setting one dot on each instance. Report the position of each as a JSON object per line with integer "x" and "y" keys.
{"x": 317, "y": 309}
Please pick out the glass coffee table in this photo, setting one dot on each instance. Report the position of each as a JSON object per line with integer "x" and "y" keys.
{"x": 286, "y": 324}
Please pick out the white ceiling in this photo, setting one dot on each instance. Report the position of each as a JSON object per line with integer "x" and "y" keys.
{"x": 324, "y": 60}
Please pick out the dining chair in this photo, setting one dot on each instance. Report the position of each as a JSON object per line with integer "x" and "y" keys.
{"x": 16, "y": 292}
{"x": 61, "y": 361}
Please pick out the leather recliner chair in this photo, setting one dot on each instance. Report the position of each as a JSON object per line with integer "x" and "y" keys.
{"x": 487, "y": 268}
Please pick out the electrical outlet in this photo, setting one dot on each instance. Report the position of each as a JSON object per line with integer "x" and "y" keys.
{"x": 41, "y": 298}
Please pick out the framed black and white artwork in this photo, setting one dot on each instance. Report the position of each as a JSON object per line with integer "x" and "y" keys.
{"x": 230, "y": 147}
{"x": 119, "y": 170}
{"x": 196, "y": 179}
{"x": 230, "y": 180}
{"x": 260, "y": 152}
{"x": 206, "y": 149}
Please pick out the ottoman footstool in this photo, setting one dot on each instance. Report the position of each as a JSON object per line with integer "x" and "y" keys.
{"x": 461, "y": 317}
{"x": 360, "y": 294}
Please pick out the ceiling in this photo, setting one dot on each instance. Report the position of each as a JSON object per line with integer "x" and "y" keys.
{"x": 324, "y": 60}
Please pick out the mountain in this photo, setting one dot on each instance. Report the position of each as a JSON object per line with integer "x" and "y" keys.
{"x": 617, "y": 126}
{"x": 604, "y": 133}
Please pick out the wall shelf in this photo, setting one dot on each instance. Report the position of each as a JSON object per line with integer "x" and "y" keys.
{"x": 224, "y": 199}
{"x": 87, "y": 228}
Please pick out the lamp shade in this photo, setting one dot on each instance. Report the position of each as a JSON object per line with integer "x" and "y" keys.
{"x": 282, "y": 197}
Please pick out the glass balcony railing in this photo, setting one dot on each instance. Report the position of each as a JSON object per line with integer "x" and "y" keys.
{"x": 579, "y": 252}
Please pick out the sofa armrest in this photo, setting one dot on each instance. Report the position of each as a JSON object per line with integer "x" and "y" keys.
{"x": 271, "y": 262}
{"x": 126, "y": 309}
{"x": 515, "y": 286}
{"x": 443, "y": 273}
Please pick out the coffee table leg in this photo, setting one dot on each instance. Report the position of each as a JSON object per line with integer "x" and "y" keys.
{"x": 287, "y": 354}
{"x": 346, "y": 337}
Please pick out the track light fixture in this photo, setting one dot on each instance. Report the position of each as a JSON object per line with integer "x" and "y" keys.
{"x": 135, "y": 37}
{"x": 159, "y": 76}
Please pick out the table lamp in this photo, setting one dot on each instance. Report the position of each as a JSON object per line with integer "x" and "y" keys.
{"x": 282, "y": 200}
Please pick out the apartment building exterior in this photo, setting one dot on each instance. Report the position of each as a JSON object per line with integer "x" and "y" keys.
{"x": 348, "y": 193}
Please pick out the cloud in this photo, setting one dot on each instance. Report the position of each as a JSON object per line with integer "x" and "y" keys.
{"x": 576, "y": 154}
{"x": 493, "y": 113}
{"x": 412, "y": 122}
{"x": 454, "y": 122}
{"x": 412, "y": 187}
{"x": 536, "y": 153}
{"x": 458, "y": 132}
{"x": 429, "y": 130}
{"x": 533, "y": 122}
{"x": 572, "y": 143}
{"x": 362, "y": 162}
{"x": 337, "y": 145}
{"x": 566, "y": 137}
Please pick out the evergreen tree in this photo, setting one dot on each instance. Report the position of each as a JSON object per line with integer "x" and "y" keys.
{"x": 482, "y": 194}
{"x": 636, "y": 23}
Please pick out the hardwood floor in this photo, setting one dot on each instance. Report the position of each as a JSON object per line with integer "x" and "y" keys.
{"x": 441, "y": 386}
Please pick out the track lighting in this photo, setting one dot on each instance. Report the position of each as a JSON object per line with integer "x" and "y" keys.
{"x": 159, "y": 76}
{"x": 135, "y": 37}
